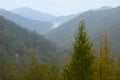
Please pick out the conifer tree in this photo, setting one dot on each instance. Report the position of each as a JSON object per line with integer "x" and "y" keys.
{"x": 79, "y": 68}
{"x": 104, "y": 65}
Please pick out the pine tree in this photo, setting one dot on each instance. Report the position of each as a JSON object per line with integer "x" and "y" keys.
{"x": 79, "y": 67}
{"x": 104, "y": 65}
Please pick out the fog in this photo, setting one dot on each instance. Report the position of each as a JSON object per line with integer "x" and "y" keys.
{"x": 58, "y": 7}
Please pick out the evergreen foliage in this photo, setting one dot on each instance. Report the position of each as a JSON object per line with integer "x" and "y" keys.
{"x": 79, "y": 67}
{"x": 16, "y": 43}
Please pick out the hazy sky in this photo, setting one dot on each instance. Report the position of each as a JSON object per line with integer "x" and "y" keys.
{"x": 58, "y": 7}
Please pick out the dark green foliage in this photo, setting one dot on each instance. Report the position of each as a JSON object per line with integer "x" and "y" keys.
{"x": 39, "y": 71}
{"x": 33, "y": 71}
{"x": 16, "y": 43}
{"x": 54, "y": 72}
{"x": 79, "y": 67}
{"x": 10, "y": 71}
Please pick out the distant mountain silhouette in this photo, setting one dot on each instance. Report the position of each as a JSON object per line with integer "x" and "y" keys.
{"x": 33, "y": 14}
{"x": 104, "y": 8}
{"x": 37, "y": 15}
{"x": 38, "y": 26}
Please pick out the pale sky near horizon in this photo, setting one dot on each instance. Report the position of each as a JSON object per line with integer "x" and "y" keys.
{"x": 58, "y": 7}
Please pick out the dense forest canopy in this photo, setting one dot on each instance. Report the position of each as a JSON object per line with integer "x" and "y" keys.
{"x": 16, "y": 41}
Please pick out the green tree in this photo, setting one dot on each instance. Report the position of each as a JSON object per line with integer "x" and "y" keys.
{"x": 33, "y": 71}
{"x": 54, "y": 72}
{"x": 79, "y": 67}
{"x": 9, "y": 71}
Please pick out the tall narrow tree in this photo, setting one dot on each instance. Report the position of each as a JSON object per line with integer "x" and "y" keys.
{"x": 104, "y": 65}
{"x": 79, "y": 67}
{"x": 118, "y": 68}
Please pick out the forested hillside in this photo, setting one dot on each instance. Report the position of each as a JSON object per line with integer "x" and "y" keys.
{"x": 83, "y": 64}
{"x": 97, "y": 23}
{"x": 17, "y": 43}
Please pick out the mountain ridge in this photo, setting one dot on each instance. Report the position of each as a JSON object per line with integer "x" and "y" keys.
{"x": 33, "y": 14}
{"x": 40, "y": 27}
{"x": 17, "y": 43}
{"x": 97, "y": 23}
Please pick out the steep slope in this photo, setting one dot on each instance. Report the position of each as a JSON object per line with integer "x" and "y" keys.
{"x": 33, "y": 14}
{"x": 40, "y": 27}
{"x": 60, "y": 20}
{"x": 98, "y": 23}
{"x": 18, "y": 43}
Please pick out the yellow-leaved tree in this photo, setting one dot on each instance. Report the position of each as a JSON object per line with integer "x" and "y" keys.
{"x": 104, "y": 65}
{"x": 118, "y": 68}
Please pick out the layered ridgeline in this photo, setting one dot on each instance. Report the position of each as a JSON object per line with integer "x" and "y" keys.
{"x": 33, "y": 14}
{"x": 41, "y": 16}
{"x": 18, "y": 43}
{"x": 98, "y": 22}
{"x": 38, "y": 26}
